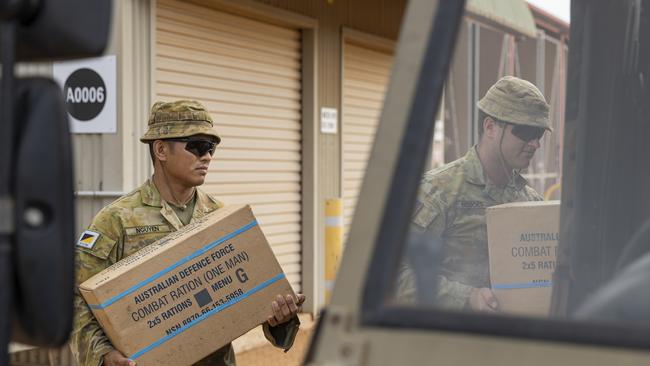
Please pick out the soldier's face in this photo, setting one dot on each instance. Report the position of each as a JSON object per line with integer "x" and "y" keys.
{"x": 186, "y": 167}
{"x": 517, "y": 152}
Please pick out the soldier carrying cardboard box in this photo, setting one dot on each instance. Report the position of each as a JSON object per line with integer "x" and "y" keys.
{"x": 451, "y": 203}
{"x": 182, "y": 141}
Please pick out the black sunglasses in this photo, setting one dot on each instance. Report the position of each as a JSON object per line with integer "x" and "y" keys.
{"x": 198, "y": 146}
{"x": 527, "y": 133}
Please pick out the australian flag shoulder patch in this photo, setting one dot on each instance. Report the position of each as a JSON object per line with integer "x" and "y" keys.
{"x": 88, "y": 239}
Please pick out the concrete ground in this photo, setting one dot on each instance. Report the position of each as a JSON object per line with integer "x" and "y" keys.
{"x": 261, "y": 353}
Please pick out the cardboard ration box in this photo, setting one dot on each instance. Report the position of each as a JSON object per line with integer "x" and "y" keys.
{"x": 522, "y": 245}
{"x": 185, "y": 296}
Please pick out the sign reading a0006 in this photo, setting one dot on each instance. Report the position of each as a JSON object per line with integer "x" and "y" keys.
{"x": 85, "y": 94}
{"x": 89, "y": 88}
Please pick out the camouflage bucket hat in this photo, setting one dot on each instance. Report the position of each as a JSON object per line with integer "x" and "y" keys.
{"x": 516, "y": 101}
{"x": 182, "y": 118}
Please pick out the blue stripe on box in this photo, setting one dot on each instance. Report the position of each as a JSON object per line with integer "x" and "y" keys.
{"x": 207, "y": 315}
{"x": 512, "y": 286}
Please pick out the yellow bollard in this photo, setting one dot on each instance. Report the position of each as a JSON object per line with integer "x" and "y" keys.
{"x": 333, "y": 242}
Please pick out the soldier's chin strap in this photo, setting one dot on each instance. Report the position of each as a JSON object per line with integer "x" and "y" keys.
{"x": 502, "y": 159}
{"x": 177, "y": 202}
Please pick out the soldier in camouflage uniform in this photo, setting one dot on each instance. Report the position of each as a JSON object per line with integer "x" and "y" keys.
{"x": 451, "y": 203}
{"x": 182, "y": 140}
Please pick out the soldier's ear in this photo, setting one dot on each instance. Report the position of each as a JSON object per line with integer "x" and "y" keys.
{"x": 490, "y": 127}
{"x": 160, "y": 150}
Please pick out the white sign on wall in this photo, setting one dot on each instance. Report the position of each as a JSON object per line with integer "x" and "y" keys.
{"x": 89, "y": 91}
{"x": 328, "y": 120}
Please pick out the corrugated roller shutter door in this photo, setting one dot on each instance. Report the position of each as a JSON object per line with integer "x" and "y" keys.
{"x": 248, "y": 74}
{"x": 365, "y": 79}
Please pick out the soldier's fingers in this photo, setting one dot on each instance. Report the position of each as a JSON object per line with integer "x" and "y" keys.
{"x": 485, "y": 307}
{"x": 117, "y": 358}
{"x": 283, "y": 306}
{"x": 490, "y": 304}
{"x": 277, "y": 313}
{"x": 488, "y": 309}
{"x": 292, "y": 304}
{"x": 301, "y": 299}
{"x": 490, "y": 299}
{"x": 125, "y": 362}
{"x": 271, "y": 321}
{"x": 286, "y": 312}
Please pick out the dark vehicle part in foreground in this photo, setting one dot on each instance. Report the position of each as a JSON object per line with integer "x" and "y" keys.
{"x": 36, "y": 205}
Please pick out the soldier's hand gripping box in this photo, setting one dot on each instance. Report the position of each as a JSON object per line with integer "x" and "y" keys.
{"x": 185, "y": 296}
{"x": 522, "y": 244}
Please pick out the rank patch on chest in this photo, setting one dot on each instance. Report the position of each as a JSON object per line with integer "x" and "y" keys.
{"x": 88, "y": 239}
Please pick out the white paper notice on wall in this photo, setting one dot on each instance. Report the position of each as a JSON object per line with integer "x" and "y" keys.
{"x": 328, "y": 120}
{"x": 89, "y": 90}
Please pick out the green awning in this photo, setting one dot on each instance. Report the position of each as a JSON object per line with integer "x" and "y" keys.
{"x": 513, "y": 15}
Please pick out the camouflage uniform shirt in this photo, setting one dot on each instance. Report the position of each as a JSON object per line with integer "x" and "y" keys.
{"x": 125, "y": 226}
{"x": 450, "y": 208}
